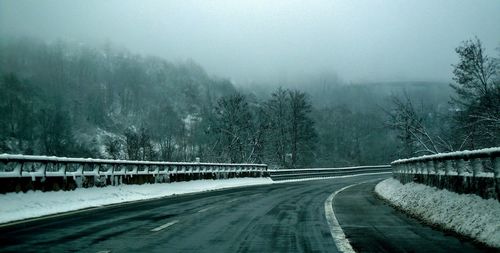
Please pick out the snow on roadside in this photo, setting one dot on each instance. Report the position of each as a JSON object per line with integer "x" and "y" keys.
{"x": 466, "y": 214}
{"x": 18, "y": 206}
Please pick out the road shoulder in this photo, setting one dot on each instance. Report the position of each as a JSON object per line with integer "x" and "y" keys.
{"x": 371, "y": 225}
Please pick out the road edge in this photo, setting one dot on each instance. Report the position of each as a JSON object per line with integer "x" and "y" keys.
{"x": 438, "y": 225}
{"x": 336, "y": 231}
{"x": 118, "y": 204}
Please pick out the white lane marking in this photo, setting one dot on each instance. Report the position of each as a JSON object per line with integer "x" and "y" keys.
{"x": 104, "y": 251}
{"x": 164, "y": 226}
{"x": 205, "y": 209}
{"x": 336, "y": 231}
{"x": 232, "y": 200}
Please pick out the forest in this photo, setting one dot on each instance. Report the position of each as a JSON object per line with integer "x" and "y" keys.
{"x": 69, "y": 99}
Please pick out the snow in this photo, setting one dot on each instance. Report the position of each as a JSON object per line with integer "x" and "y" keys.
{"x": 7, "y": 157}
{"x": 495, "y": 151}
{"x": 466, "y": 214}
{"x": 18, "y": 206}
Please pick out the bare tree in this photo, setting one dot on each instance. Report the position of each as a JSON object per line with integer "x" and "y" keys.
{"x": 413, "y": 133}
{"x": 477, "y": 103}
{"x": 474, "y": 74}
{"x": 132, "y": 143}
{"x": 233, "y": 124}
{"x": 302, "y": 133}
{"x": 278, "y": 114}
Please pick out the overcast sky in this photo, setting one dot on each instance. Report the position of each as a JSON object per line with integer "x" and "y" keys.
{"x": 255, "y": 41}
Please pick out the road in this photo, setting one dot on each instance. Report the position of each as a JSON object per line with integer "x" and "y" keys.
{"x": 287, "y": 217}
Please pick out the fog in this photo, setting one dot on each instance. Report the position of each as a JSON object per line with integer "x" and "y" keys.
{"x": 261, "y": 41}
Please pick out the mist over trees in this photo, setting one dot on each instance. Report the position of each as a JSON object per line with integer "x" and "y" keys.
{"x": 472, "y": 119}
{"x": 69, "y": 99}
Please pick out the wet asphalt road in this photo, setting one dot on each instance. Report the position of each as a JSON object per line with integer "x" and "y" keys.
{"x": 288, "y": 217}
{"x": 373, "y": 226}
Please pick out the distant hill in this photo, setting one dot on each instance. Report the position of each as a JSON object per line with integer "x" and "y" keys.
{"x": 92, "y": 93}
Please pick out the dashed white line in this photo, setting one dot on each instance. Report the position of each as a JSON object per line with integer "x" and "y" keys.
{"x": 205, "y": 209}
{"x": 104, "y": 251}
{"x": 232, "y": 200}
{"x": 164, "y": 226}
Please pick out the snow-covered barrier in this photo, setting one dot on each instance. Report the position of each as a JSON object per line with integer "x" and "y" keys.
{"x": 24, "y": 172}
{"x": 287, "y": 174}
{"x": 476, "y": 171}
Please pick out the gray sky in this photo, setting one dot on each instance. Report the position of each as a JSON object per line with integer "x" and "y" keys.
{"x": 255, "y": 41}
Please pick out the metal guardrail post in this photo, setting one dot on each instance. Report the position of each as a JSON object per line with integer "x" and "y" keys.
{"x": 477, "y": 167}
{"x": 496, "y": 167}
{"x": 449, "y": 167}
{"x": 460, "y": 167}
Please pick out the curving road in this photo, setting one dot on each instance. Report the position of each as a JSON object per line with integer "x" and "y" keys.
{"x": 287, "y": 217}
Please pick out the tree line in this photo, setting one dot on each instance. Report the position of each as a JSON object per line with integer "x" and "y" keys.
{"x": 73, "y": 100}
{"x": 69, "y": 99}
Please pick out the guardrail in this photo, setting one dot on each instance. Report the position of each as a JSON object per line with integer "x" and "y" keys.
{"x": 476, "y": 171}
{"x": 286, "y": 174}
{"x": 24, "y": 172}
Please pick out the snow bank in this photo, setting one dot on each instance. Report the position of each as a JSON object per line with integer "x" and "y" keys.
{"x": 466, "y": 214}
{"x": 18, "y": 206}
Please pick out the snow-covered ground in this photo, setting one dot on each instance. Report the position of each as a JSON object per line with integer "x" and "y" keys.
{"x": 466, "y": 214}
{"x": 18, "y": 206}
